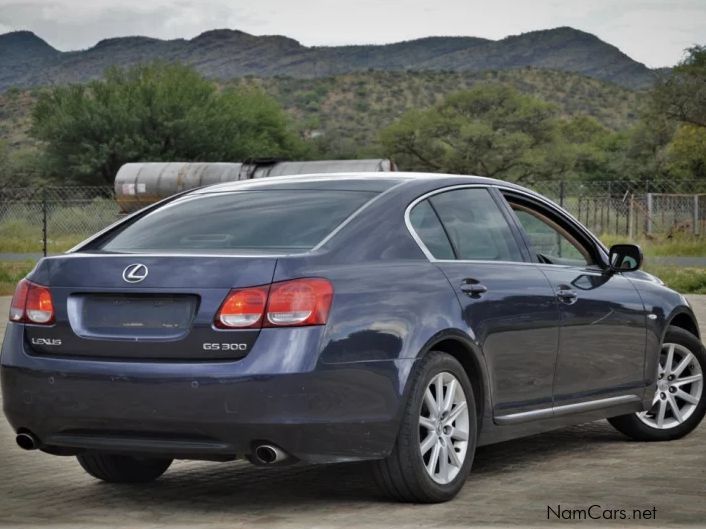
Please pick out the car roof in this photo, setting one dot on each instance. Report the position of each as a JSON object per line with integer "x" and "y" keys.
{"x": 374, "y": 182}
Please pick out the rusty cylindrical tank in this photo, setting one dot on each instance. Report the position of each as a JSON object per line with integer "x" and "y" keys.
{"x": 139, "y": 184}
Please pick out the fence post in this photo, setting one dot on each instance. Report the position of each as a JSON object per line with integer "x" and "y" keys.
{"x": 561, "y": 193}
{"x": 630, "y": 216}
{"x": 647, "y": 224}
{"x": 44, "y": 221}
{"x": 697, "y": 220}
{"x": 610, "y": 205}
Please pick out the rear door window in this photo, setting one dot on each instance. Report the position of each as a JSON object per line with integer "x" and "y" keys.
{"x": 475, "y": 225}
{"x": 270, "y": 221}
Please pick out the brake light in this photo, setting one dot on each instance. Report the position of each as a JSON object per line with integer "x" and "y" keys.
{"x": 243, "y": 309}
{"x": 298, "y": 302}
{"x": 19, "y": 301}
{"x": 32, "y": 303}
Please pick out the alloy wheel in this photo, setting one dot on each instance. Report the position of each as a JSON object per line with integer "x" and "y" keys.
{"x": 443, "y": 428}
{"x": 679, "y": 388}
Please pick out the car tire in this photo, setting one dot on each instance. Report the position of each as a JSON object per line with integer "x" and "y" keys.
{"x": 404, "y": 474}
{"x": 123, "y": 469}
{"x": 644, "y": 426}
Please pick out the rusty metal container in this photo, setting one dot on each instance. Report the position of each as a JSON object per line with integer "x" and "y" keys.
{"x": 139, "y": 184}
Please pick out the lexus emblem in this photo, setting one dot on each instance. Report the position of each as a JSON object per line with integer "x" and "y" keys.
{"x": 135, "y": 273}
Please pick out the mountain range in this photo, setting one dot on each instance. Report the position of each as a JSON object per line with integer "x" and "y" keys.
{"x": 26, "y": 60}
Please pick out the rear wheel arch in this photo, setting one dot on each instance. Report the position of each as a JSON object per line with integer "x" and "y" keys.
{"x": 406, "y": 474}
{"x": 459, "y": 347}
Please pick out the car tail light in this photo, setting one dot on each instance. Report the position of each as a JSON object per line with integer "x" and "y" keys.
{"x": 297, "y": 302}
{"x": 243, "y": 309}
{"x": 19, "y": 301}
{"x": 32, "y": 303}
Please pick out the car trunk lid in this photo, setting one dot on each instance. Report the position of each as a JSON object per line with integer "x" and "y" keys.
{"x": 147, "y": 307}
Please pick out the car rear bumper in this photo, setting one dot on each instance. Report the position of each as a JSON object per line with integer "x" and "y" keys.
{"x": 205, "y": 410}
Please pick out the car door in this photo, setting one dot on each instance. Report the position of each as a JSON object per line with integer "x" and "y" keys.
{"x": 506, "y": 302}
{"x": 602, "y": 335}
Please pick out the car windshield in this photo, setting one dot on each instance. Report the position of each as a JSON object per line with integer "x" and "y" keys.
{"x": 269, "y": 221}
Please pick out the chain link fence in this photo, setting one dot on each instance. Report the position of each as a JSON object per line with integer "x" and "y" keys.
{"x": 53, "y": 219}
{"x": 631, "y": 209}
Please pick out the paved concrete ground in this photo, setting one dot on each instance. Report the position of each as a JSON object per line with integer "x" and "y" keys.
{"x": 512, "y": 484}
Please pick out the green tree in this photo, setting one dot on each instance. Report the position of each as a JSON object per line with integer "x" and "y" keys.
{"x": 586, "y": 143}
{"x": 157, "y": 112}
{"x": 18, "y": 166}
{"x": 636, "y": 154}
{"x": 645, "y": 155}
{"x": 681, "y": 95}
{"x": 686, "y": 153}
{"x": 490, "y": 130}
{"x": 669, "y": 143}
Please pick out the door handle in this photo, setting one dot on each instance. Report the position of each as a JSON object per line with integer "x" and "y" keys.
{"x": 566, "y": 295}
{"x": 474, "y": 289}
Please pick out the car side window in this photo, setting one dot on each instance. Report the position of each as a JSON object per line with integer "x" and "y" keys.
{"x": 429, "y": 229}
{"x": 552, "y": 243}
{"x": 475, "y": 225}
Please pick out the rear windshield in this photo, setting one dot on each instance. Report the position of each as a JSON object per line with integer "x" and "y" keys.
{"x": 249, "y": 221}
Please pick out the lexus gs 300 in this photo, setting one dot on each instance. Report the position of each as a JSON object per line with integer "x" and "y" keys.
{"x": 399, "y": 318}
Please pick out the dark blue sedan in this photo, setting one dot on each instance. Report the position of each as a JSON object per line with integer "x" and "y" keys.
{"x": 400, "y": 318}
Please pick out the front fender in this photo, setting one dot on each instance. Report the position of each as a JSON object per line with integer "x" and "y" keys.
{"x": 662, "y": 307}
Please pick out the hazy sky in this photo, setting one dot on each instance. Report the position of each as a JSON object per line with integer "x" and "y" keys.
{"x": 651, "y": 31}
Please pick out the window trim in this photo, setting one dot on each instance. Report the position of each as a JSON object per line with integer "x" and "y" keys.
{"x": 560, "y": 230}
{"x": 511, "y": 223}
{"x": 559, "y": 216}
{"x": 454, "y": 250}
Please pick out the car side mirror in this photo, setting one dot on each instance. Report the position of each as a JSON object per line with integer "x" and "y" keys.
{"x": 625, "y": 257}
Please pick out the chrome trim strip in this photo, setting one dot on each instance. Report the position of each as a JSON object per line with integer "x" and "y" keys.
{"x": 566, "y": 409}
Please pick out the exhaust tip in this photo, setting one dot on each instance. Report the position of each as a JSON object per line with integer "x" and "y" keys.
{"x": 269, "y": 454}
{"x": 27, "y": 441}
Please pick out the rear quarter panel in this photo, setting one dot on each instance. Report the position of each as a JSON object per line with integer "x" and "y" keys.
{"x": 381, "y": 311}
{"x": 390, "y": 312}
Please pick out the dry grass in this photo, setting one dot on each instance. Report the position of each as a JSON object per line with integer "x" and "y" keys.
{"x": 10, "y": 273}
{"x": 676, "y": 246}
